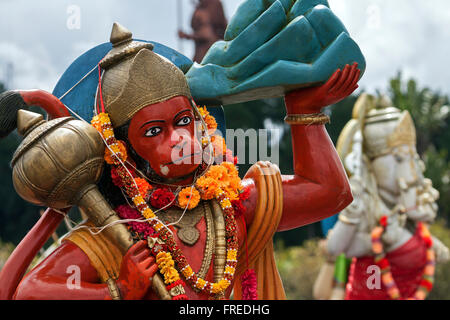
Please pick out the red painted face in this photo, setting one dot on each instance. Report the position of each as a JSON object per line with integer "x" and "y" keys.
{"x": 164, "y": 135}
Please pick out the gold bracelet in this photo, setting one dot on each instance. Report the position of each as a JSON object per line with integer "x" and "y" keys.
{"x": 114, "y": 291}
{"x": 307, "y": 119}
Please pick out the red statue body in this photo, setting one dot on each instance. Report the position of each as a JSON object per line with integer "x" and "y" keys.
{"x": 318, "y": 189}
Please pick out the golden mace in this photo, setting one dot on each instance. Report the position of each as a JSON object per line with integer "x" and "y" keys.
{"x": 58, "y": 165}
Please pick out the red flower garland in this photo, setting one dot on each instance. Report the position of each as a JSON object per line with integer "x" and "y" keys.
{"x": 249, "y": 289}
{"x": 137, "y": 189}
{"x": 249, "y": 281}
{"x": 161, "y": 197}
{"x": 143, "y": 228}
{"x": 245, "y": 194}
{"x": 238, "y": 207}
{"x": 426, "y": 283}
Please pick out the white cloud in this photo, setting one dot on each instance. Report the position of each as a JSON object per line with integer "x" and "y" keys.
{"x": 409, "y": 35}
{"x": 32, "y": 70}
{"x": 401, "y": 35}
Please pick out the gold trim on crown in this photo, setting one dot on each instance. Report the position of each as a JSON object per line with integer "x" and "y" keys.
{"x": 404, "y": 133}
{"x": 123, "y": 46}
{"x": 384, "y": 127}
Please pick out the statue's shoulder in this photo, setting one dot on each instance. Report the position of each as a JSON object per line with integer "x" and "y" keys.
{"x": 268, "y": 183}
{"x": 267, "y": 216}
{"x": 103, "y": 254}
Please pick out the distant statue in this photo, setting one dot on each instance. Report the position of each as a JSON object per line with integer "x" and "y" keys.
{"x": 209, "y": 24}
{"x": 384, "y": 230}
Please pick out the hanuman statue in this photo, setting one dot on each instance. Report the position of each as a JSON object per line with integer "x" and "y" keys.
{"x": 209, "y": 24}
{"x": 168, "y": 216}
{"x": 385, "y": 230}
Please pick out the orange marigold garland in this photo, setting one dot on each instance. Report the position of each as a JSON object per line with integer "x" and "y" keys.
{"x": 144, "y": 187}
{"x": 118, "y": 148}
{"x": 426, "y": 283}
{"x": 208, "y": 187}
{"x": 116, "y": 151}
{"x": 219, "y": 145}
{"x": 188, "y": 198}
{"x": 211, "y": 123}
{"x": 131, "y": 185}
{"x": 220, "y": 182}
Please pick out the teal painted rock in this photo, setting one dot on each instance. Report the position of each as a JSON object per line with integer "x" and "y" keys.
{"x": 272, "y": 47}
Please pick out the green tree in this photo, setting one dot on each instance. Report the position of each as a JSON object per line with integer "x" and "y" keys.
{"x": 429, "y": 109}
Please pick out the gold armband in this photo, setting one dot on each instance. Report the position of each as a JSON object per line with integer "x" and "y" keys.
{"x": 307, "y": 119}
{"x": 114, "y": 291}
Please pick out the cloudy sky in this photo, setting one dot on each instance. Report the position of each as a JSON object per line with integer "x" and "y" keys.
{"x": 40, "y": 39}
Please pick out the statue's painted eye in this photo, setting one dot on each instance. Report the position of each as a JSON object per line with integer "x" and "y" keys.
{"x": 184, "y": 121}
{"x": 153, "y": 131}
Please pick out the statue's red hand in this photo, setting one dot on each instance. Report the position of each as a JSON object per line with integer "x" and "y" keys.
{"x": 137, "y": 269}
{"x": 311, "y": 100}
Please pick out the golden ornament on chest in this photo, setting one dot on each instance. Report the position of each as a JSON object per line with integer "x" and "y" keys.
{"x": 185, "y": 222}
{"x": 188, "y": 232}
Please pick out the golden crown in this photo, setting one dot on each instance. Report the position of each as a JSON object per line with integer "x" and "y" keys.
{"x": 387, "y": 127}
{"x": 383, "y": 126}
{"x": 136, "y": 77}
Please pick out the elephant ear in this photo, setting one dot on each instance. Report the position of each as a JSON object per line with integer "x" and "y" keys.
{"x": 271, "y": 47}
{"x": 351, "y": 134}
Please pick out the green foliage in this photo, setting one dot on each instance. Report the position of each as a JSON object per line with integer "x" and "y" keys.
{"x": 299, "y": 267}
{"x": 441, "y": 289}
{"x": 430, "y": 111}
{"x": 252, "y": 115}
{"x": 16, "y": 215}
{"x": 5, "y": 250}
{"x": 438, "y": 170}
